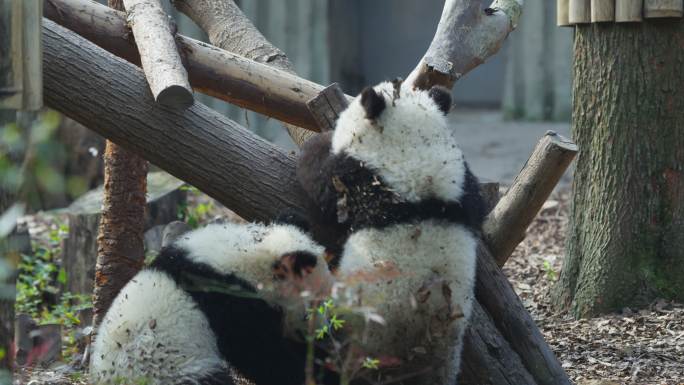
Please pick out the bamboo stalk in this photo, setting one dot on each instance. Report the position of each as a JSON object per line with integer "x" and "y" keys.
{"x": 602, "y": 11}
{"x": 627, "y": 11}
{"x": 580, "y": 11}
{"x": 563, "y": 13}
{"x": 161, "y": 62}
{"x": 663, "y": 8}
{"x": 506, "y": 225}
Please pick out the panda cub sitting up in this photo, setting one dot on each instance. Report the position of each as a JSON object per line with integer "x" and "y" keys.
{"x": 393, "y": 175}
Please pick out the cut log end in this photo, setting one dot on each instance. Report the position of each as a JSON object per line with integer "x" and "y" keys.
{"x": 327, "y": 106}
{"x": 506, "y": 225}
{"x": 176, "y": 96}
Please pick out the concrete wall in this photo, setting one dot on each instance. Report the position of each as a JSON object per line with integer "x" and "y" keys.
{"x": 390, "y": 37}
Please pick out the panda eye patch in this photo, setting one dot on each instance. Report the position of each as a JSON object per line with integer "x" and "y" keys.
{"x": 294, "y": 265}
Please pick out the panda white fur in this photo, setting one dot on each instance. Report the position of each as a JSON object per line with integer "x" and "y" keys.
{"x": 393, "y": 174}
{"x": 226, "y": 294}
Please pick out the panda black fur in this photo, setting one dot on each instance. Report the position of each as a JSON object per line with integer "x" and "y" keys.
{"x": 392, "y": 173}
{"x": 226, "y": 294}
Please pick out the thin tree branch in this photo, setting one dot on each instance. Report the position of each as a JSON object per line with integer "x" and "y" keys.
{"x": 469, "y": 32}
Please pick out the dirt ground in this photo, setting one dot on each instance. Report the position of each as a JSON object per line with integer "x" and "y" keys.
{"x": 631, "y": 347}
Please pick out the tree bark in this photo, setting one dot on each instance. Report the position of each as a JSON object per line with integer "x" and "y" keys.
{"x": 229, "y": 28}
{"x": 626, "y": 235}
{"x": 120, "y": 245}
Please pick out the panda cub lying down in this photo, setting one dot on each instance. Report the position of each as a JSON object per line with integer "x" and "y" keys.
{"x": 224, "y": 294}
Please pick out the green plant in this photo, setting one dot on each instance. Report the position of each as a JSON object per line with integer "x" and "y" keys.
{"x": 551, "y": 274}
{"x": 196, "y": 214}
{"x": 38, "y": 288}
{"x": 329, "y": 318}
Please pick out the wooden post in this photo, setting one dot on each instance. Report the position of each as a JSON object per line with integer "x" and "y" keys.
{"x": 505, "y": 226}
{"x": 628, "y": 10}
{"x": 327, "y": 106}
{"x": 32, "y": 49}
{"x": 563, "y": 13}
{"x": 663, "y": 8}
{"x": 602, "y": 10}
{"x": 21, "y": 85}
{"x": 580, "y": 11}
{"x": 161, "y": 62}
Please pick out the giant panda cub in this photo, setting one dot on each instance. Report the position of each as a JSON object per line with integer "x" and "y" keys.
{"x": 226, "y": 294}
{"x": 393, "y": 174}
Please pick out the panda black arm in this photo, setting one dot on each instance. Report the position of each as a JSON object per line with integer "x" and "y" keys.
{"x": 472, "y": 202}
{"x": 314, "y": 173}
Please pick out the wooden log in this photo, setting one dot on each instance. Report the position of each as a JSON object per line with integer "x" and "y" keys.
{"x": 663, "y": 8}
{"x": 244, "y": 172}
{"x": 505, "y": 226}
{"x": 453, "y": 53}
{"x": 21, "y": 86}
{"x": 563, "y": 13}
{"x": 161, "y": 62}
{"x": 212, "y": 71}
{"x": 627, "y": 11}
{"x": 327, "y": 106}
{"x": 579, "y": 11}
{"x": 229, "y": 28}
{"x": 602, "y": 11}
{"x": 192, "y": 140}
{"x": 496, "y": 295}
{"x": 487, "y": 356}
{"x": 32, "y": 84}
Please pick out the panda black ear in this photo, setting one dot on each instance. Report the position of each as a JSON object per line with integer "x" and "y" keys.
{"x": 442, "y": 97}
{"x": 373, "y": 103}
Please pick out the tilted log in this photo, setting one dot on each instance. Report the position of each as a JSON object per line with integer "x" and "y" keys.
{"x": 468, "y": 33}
{"x": 211, "y": 70}
{"x": 580, "y": 11}
{"x": 226, "y": 161}
{"x": 488, "y": 357}
{"x": 200, "y": 146}
{"x": 229, "y": 28}
{"x": 507, "y": 223}
{"x": 159, "y": 56}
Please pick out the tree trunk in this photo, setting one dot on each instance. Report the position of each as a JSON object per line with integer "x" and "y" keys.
{"x": 120, "y": 246}
{"x": 626, "y": 237}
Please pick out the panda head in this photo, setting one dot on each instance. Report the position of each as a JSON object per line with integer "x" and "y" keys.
{"x": 404, "y": 137}
{"x": 278, "y": 259}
